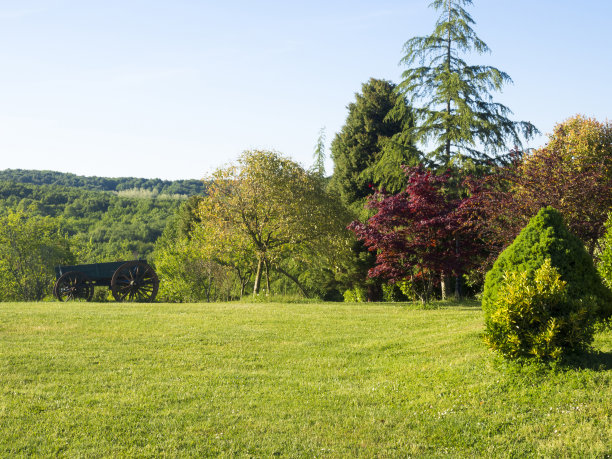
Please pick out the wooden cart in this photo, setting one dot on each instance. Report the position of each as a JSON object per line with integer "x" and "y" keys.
{"x": 127, "y": 280}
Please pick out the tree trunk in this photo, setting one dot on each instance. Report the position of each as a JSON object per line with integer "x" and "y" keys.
{"x": 209, "y": 286}
{"x": 445, "y": 285}
{"x": 449, "y": 44}
{"x": 374, "y": 292}
{"x": 243, "y": 278}
{"x": 243, "y": 283}
{"x": 258, "y": 276}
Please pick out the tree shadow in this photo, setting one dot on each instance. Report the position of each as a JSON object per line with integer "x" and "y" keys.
{"x": 589, "y": 360}
{"x": 454, "y": 303}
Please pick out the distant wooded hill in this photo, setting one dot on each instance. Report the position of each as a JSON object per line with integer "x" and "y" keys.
{"x": 106, "y": 218}
{"x": 120, "y": 184}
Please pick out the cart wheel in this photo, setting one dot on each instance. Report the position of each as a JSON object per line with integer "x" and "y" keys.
{"x": 73, "y": 286}
{"x": 135, "y": 281}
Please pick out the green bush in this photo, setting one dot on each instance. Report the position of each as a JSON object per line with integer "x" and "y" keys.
{"x": 418, "y": 288}
{"x": 546, "y": 237}
{"x": 355, "y": 295}
{"x": 392, "y": 293}
{"x": 533, "y": 316}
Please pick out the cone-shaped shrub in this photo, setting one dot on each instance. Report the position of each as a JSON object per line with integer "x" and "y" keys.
{"x": 546, "y": 237}
{"x": 534, "y": 317}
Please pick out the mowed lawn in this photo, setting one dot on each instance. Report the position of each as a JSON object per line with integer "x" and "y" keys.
{"x": 290, "y": 380}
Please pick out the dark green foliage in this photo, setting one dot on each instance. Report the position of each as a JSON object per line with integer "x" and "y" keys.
{"x": 368, "y": 154}
{"x": 353, "y": 273}
{"x": 187, "y": 217}
{"x": 371, "y": 146}
{"x": 546, "y": 236}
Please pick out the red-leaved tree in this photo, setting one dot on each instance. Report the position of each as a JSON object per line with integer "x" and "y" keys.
{"x": 421, "y": 234}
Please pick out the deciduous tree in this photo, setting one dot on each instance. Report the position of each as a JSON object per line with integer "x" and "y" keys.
{"x": 415, "y": 233}
{"x": 30, "y": 247}
{"x": 573, "y": 173}
{"x": 270, "y": 206}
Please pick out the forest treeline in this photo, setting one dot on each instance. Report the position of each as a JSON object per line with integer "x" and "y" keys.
{"x": 124, "y": 185}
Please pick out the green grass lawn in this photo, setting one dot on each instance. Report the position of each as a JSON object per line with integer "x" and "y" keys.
{"x": 293, "y": 380}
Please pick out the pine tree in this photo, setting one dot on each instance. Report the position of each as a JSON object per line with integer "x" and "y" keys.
{"x": 457, "y": 114}
{"x": 318, "y": 167}
{"x": 370, "y": 142}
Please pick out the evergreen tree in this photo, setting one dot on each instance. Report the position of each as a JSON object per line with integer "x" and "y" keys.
{"x": 547, "y": 237}
{"x": 318, "y": 168}
{"x": 371, "y": 147}
{"x": 457, "y": 114}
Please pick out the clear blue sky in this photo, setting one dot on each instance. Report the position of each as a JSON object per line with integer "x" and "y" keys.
{"x": 176, "y": 88}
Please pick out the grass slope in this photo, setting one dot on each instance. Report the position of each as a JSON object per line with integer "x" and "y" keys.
{"x": 331, "y": 380}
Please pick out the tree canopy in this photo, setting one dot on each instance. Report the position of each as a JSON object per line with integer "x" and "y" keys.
{"x": 30, "y": 247}
{"x": 271, "y": 207}
{"x": 415, "y": 233}
{"x": 372, "y": 146}
{"x": 155, "y": 187}
{"x": 454, "y": 110}
{"x": 572, "y": 172}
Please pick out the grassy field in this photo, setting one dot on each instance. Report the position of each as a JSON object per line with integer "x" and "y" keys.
{"x": 292, "y": 380}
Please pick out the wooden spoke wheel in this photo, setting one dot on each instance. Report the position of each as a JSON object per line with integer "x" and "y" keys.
{"x": 73, "y": 286}
{"x": 135, "y": 281}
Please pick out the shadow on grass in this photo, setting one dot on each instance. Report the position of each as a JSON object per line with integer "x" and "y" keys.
{"x": 470, "y": 303}
{"x": 530, "y": 368}
{"x": 590, "y": 360}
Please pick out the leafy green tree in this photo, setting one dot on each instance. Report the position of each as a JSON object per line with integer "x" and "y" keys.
{"x": 189, "y": 261}
{"x": 102, "y": 225}
{"x": 185, "y": 276}
{"x": 604, "y": 263}
{"x": 585, "y": 142}
{"x": 371, "y": 147}
{"x": 162, "y": 187}
{"x": 455, "y": 111}
{"x": 30, "y": 248}
{"x": 270, "y": 206}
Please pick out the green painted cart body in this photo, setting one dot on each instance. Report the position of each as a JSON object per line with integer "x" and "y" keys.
{"x": 127, "y": 280}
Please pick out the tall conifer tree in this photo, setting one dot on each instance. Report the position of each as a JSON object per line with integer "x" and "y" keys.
{"x": 318, "y": 167}
{"x": 455, "y": 111}
{"x": 371, "y": 147}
